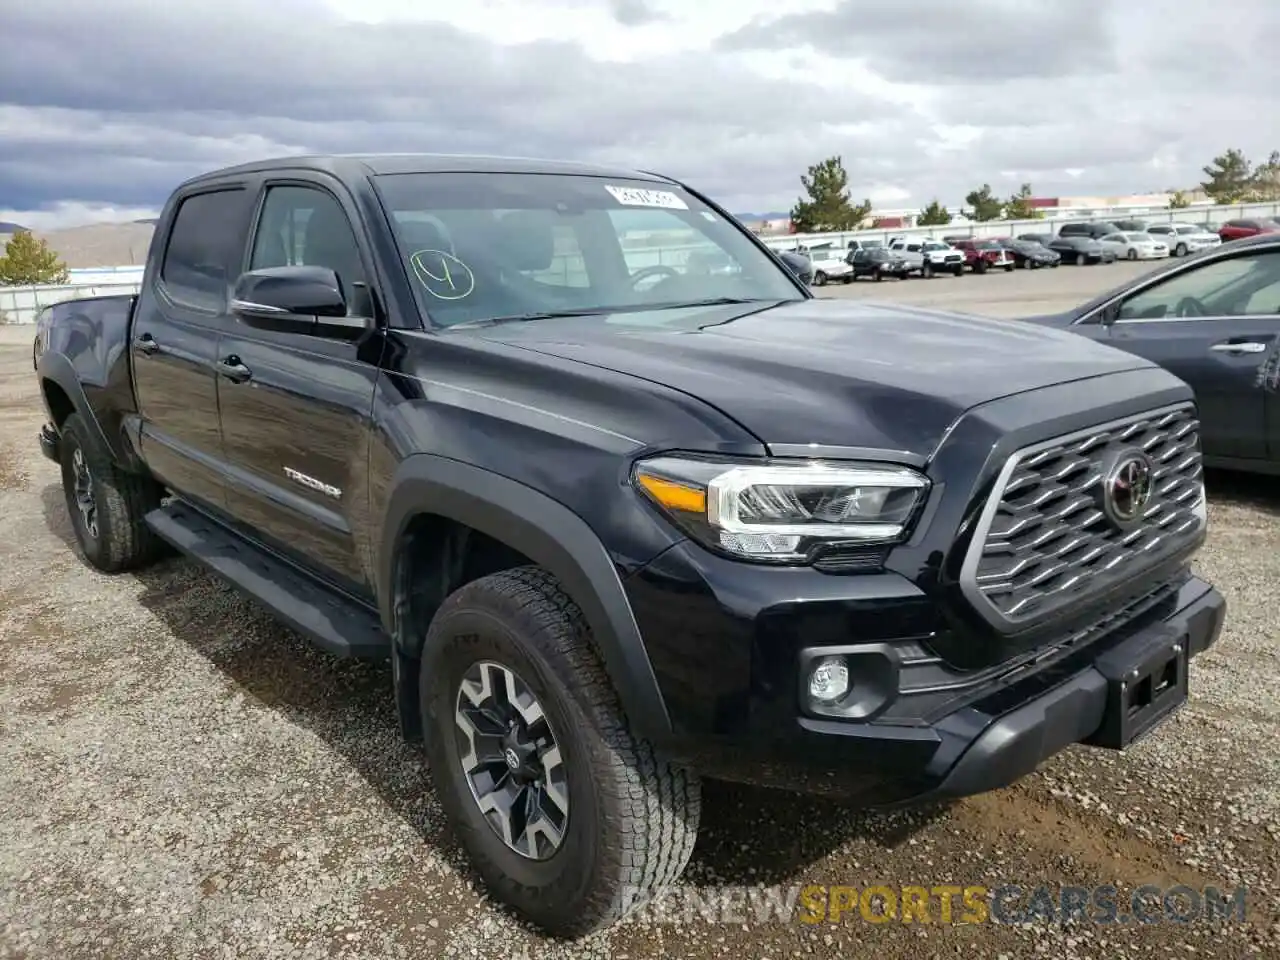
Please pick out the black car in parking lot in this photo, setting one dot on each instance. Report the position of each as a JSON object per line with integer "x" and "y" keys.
{"x": 877, "y": 263}
{"x": 1211, "y": 319}
{"x": 1073, "y": 248}
{"x": 1030, "y": 254}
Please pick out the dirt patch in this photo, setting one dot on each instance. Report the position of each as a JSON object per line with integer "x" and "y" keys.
{"x": 12, "y": 475}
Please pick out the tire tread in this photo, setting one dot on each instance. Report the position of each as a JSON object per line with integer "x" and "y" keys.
{"x": 648, "y": 844}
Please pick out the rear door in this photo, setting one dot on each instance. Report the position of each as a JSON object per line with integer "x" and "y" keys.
{"x": 1217, "y": 326}
{"x": 180, "y": 317}
{"x": 296, "y": 408}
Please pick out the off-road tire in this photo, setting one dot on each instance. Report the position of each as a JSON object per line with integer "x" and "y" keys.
{"x": 122, "y": 499}
{"x": 633, "y": 816}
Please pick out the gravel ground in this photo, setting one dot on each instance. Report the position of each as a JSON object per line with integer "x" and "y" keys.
{"x": 180, "y": 777}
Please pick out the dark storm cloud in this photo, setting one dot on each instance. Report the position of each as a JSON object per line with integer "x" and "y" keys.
{"x": 115, "y": 101}
{"x": 978, "y": 40}
{"x": 190, "y": 86}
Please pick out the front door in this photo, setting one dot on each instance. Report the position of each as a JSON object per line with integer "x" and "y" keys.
{"x": 296, "y": 408}
{"x": 178, "y": 322}
{"x": 1214, "y": 325}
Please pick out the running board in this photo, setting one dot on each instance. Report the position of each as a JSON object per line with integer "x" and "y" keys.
{"x": 332, "y": 622}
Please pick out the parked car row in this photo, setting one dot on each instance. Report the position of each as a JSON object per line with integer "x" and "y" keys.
{"x": 1078, "y": 242}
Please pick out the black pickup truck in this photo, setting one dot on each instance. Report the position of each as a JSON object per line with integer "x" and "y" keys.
{"x": 619, "y": 523}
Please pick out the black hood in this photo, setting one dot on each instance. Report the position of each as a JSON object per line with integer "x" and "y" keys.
{"x": 830, "y": 372}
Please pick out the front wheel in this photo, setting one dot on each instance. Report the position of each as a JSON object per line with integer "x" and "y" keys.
{"x": 570, "y": 819}
{"x": 819, "y": 279}
{"x": 1180, "y": 250}
{"x": 1081, "y": 259}
{"x": 1008, "y": 268}
{"x": 1133, "y": 254}
{"x": 926, "y": 270}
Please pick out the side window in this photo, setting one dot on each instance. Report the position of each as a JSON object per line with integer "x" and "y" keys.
{"x": 306, "y": 226}
{"x": 206, "y": 241}
{"x": 1240, "y": 286}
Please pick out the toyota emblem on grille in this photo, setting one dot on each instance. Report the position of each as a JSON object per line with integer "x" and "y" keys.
{"x": 1128, "y": 488}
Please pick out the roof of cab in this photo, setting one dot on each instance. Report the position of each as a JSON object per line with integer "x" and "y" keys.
{"x": 364, "y": 165}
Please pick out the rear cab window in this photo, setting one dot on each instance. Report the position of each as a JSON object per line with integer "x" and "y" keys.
{"x": 204, "y": 248}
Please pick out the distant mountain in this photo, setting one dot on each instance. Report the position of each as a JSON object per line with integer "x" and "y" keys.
{"x": 150, "y": 222}
{"x": 6, "y": 227}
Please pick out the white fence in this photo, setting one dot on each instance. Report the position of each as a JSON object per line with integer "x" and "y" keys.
{"x": 21, "y": 304}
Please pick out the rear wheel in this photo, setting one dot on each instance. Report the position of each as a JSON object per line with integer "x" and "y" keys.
{"x": 980, "y": 266}
{"x": 570, "y": 819}
{"x": 106, "y": 504}
{"x": 1008, "y": 268}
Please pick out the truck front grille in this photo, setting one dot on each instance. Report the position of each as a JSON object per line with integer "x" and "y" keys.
{"x": 1055, "y": 530}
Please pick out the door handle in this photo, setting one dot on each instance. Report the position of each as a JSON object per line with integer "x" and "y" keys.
{"x": 1244, "y": 346}
{"x": 234, "y": 370}
{"x": 146, "y": 344}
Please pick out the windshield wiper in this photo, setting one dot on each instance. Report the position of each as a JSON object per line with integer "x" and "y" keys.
{"x": 533, "y": 315}
{"x": 711, "y": 302}
{"x": 621, "y": 308}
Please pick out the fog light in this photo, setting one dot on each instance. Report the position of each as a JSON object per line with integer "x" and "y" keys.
{"x": 829, "y": 679}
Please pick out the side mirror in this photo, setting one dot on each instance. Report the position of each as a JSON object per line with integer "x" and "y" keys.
{"x": 299, "y": 299}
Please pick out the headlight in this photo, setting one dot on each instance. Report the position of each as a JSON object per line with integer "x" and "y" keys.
{"x": 781, "y": 512}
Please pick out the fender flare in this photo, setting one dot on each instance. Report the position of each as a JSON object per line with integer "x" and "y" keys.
{"x": 57, "y": 369}
{"x": 550, "y": 535}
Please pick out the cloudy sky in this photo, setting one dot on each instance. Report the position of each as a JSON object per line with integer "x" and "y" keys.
{"x": 106, "y": 104}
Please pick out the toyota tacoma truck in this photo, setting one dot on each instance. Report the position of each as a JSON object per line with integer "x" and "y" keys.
{"x": 617, "y": 526}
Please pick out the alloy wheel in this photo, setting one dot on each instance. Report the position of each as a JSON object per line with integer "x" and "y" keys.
{"x": 511, "y": 760}
{"x": 86, "y": 502}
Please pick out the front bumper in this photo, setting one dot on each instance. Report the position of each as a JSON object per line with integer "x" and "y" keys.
{"x": 727, "y": 642}
{"x": 1011, "y": 745}
{"x": 50, "y": 445}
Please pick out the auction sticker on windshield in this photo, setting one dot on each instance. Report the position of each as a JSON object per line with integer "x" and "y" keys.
{"x": 638, "y": 197}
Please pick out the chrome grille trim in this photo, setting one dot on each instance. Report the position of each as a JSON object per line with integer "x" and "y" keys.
{"x": 1043, "y": 542}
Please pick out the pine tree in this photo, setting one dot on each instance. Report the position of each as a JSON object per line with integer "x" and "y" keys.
{"x": 828, "y": 207}
{"x": 934, "y": 215}
{"x": 1229, "y": 178}
{"x": 983, "y": 205}
{"x": 1018, "y": 207}
{"x": 28, "y": 261}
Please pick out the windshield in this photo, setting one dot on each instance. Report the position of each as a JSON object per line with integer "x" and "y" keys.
{"x": 484, "y": 246}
